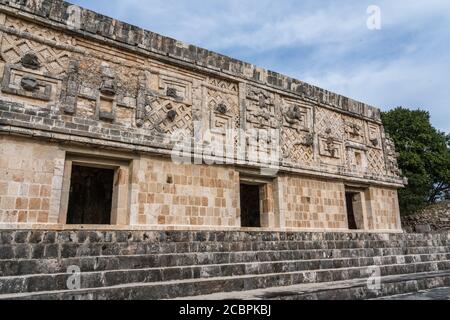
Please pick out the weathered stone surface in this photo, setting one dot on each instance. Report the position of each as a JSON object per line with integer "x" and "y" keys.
{"x": 436, "y": 217}
{"x": 159, "y": 268}
{"x": 87, "y": 82}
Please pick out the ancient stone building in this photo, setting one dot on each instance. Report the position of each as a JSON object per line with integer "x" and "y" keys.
{"x": 96, "y": 116}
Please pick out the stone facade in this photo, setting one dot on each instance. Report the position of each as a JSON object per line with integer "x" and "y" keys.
{"x": 81, "y": 89}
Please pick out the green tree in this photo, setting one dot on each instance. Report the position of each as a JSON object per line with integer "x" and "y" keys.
{"x": 424, "y": 157}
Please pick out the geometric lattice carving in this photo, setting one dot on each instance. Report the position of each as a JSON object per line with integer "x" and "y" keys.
{"x": 223, "y": 110}
{"x": 39, "y": 31}
{"x": 165, "y": 116}
{"x": 376, "y": 161}
{"x": 225, "y": 85}
{"x": 330, "y": 123}
{"x": 297, "y": 148}
{"x": 53, "y": 60}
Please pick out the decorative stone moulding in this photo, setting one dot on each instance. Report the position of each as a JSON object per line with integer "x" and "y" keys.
{"x": 22, "y": 82}
{"x": 170, "y": 95}
{"x": 141, "y": 100}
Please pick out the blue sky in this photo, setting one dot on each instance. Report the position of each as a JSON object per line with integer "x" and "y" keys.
{"x": 326, "y": 43}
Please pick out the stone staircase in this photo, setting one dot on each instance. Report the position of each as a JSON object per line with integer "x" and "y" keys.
{"x": 218, "y": 265}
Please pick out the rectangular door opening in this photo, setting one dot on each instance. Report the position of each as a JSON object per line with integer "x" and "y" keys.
{"x": 250, "y": 206}
{"x": 355, "y": 209}
{"x": 90, "y": 197}
{"x": 350, "y": 199}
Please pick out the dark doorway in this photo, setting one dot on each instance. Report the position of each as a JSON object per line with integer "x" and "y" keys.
{"x": 250, "y": 206}
{"x": 349, "y": 197}
{"x": 90, "y": 198}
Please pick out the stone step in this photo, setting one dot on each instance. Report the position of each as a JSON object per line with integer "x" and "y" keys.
{"x": 94, "y": 236}
{"x": 231, "y": 239}
{"x": 104, "y": 263}
{"x": 332, "y": 269}
{"x": 189, "y": 287}
{"x": 355, "y": 289}
{"x": 68, "y": 250}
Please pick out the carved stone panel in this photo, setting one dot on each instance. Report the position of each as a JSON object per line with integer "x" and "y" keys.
{"x": 355, "y": 130}
{"x": 165, "y": 116}
{"x": 356, "y": 158}
{"x": 261, "y": 110}
{"x": 376, "y": 161}
{"x": 175, "y": 88}
{"x": 297, "y": 148}
{"x": 296, "y": 116}
{"x": 297, "y": 137}
{"x": 141, "y": 99}
{"x": 72, "y": 87}
{"x": 374, "y": 136}
{"x": 32, "y": 54}
{"x": 106, "y": 99}
{"x": 32, "y": 84}
{"x": 391, "y": 157}
{"x": 329, "y": 122}
{"x": 223, "y": 111}
{"x": 330, "y": 147}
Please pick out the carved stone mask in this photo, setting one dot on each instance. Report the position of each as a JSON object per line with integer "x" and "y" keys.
{"x": 375, "y": 142}
{"x": 74, "y": 67}
{"x": 309, "y": 140}
{"x": 294, "y": 113}
{"x": 109, "y": 86}
{"x": 30, "y": 61}
{"x": 222, "y": 108}
{"x": 262, "y": 101}
{"x": 330, "y": 147}
{"x": 29, "y": 83}
{"x": 171, "y": 115}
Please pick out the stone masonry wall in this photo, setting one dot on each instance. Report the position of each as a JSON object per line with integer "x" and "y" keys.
{"x": 171, "y": 194}
{"x": 312, "y": 204}
{"x": 383, "y": 207}
{"x": 30, "y": 181}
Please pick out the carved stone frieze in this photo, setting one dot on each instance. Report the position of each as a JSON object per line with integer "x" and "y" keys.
{"x": 261, "y": 109}
{"x": 391, "y": 157}
{"x": 72, "y": 83}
